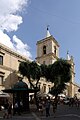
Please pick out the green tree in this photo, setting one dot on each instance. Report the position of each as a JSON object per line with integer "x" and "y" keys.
{"x": 60, "y": 74}
{"x": 25, "y": 70}
{"x": 45, "y": 71}
{"x": 33, "y": 72}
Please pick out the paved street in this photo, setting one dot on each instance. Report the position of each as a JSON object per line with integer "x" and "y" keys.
{"x": 64, "y": 112}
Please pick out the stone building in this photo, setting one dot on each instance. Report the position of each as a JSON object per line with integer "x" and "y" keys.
{"x": 47, "y": 53}
{"x": 47, "y": 50}
{"x": 9, "y": 63}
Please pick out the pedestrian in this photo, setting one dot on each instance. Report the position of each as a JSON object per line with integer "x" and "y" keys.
{"x": 6, "y": 105}
{"x": 47, "y": 106}
{"x": 10, "y": 110}
{"x": 15, "y": 108}
{"x": 21, "y": 106}
{"x": 54, "y": 104}
{"x": 41, "y": 108}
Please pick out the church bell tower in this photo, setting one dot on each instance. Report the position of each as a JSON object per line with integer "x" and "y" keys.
{"x": 47, "y": 49}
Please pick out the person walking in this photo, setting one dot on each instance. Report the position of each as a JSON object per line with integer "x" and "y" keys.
{"x": 54, "y": 104}
{"x": 47, "y": 105}
{"x": 21, "y": 106}
{"x": 6, "y": 105}
{"x": 15, "y": 108}
{"x": 41, "y": 108}
{"x": 10, "y": 110}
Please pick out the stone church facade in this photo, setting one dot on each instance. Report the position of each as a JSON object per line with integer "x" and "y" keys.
{"x": 47, "y": 53}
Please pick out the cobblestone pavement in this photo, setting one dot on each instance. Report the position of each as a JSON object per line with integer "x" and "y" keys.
{"x": 64, "y": 112}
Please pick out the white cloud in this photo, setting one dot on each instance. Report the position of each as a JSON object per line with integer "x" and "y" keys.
{"x": 10, "y": 19}
{"x": 21, "y": 47}
{"x": 10, "y": 22}
{"x": 5, "y": 39}
{"x": 12, "y": 6}
{"x": 9, "y": 14}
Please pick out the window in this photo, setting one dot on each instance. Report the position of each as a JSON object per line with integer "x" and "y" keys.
{"x": 1, "y": 60}
{"x": 1, "y": 80}
{"x": 44, "y": 49}
{"x": 55, "y": 50}
{"x": 49, "y": 88}
{"x": 44, "y": 88}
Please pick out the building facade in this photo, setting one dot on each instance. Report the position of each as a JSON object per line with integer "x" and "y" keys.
{"x": 47, "y": 50}
{"x": 48, "y": 53}
{"x": 9, "y": 63}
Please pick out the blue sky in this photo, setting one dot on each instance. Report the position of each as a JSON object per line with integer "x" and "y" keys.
{"x": 32, "y": 18}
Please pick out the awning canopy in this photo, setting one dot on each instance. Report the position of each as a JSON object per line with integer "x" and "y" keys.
{"x": 19, "y": 90}
{"x": 20, "y": 86}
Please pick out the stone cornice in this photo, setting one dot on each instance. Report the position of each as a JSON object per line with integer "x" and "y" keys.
{"x": 2, "y": 73}
{"x": 48, "y": 38}
{"x": 50, "y": 54}
{"x": 6, "y": 68}
{"x": 11, "y": 52}
{"x": 75, "y": 84}
{"x": 2, "y": 53}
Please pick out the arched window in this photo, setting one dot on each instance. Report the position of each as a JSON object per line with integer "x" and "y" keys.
{"x": 44, "y": 49}
{"x": 55, "y": 50}
{"x": 44, "y": 88}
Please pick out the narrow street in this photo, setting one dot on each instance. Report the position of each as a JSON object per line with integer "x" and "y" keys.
{"x": 64, "y": 112}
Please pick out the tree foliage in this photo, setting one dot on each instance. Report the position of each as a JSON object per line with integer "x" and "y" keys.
{"x": 57, "y": 89}
{"x": 31, "y": 70}
{"x": 24, "y": 69}
{"x": 60, "y": 74}
{"x": 35, "y": 72}
{"x": 61, "y": 71}
{"x": 45, "y": 71}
